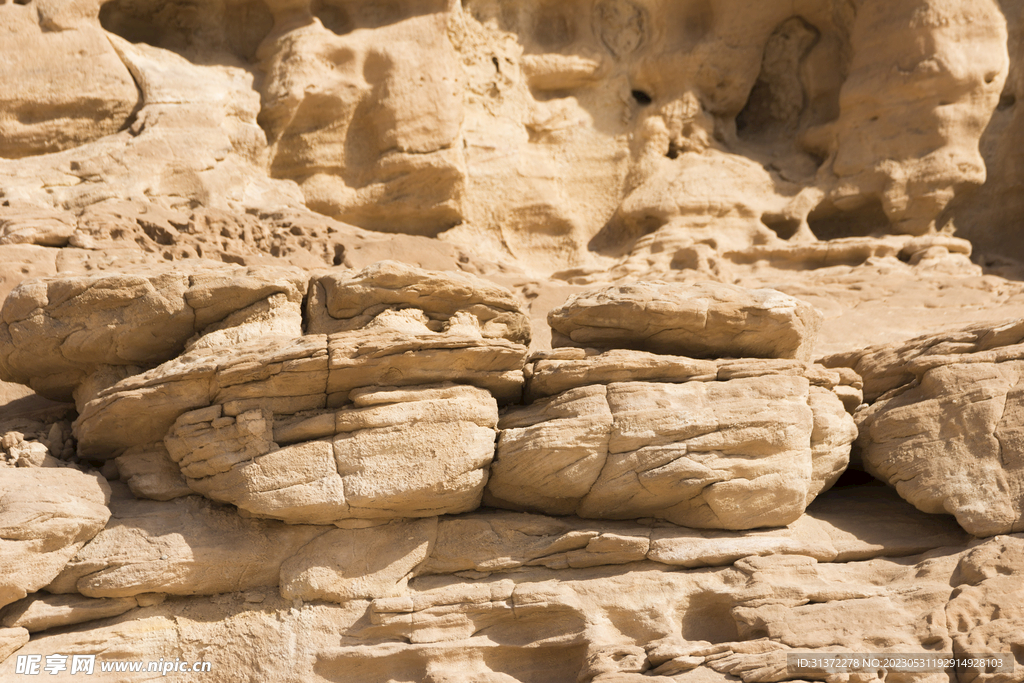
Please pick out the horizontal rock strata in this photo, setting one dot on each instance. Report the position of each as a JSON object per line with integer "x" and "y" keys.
{"x": 275, "y": 413}
{"x": 57, "y": 332}
{"x": 194, "y": 547}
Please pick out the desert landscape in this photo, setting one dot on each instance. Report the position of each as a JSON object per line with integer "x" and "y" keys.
{"x": 497, "y": 341}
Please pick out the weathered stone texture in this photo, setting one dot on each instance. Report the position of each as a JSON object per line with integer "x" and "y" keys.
{"x": 510, "y": 340}
{"x": 945, "y": 432}
{"x": 737, "y": 454}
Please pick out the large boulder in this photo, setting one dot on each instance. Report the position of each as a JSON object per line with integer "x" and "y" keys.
{"x": 46, "y": 516}
{"x": 736, "y": 454}
{"x": 415, "y": 452}
{"x": 945, "y": 423}
{"x": 954, "y": 443}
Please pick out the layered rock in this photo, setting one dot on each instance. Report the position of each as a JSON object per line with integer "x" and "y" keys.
{"x": 60, "y": 333}
{"x": 43, "y": 612}
{"x": 891, "y": 366}
{"x": 944, "y": 433}
{"x": 343, "y": 423}
{"x": 414, "y": 452}
{"x": 293, "y": 426}
{"x": 840, "y": 526}
{"x": 343, "y": 302}
{"x": 181, "y": 547}
{"x": 727, "y": 444}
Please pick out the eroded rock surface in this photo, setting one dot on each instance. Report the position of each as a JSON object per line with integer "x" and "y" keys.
{"x": 64, "y": 332}
{"x": 345, "y": 302}
{"x": 944, "y": 432}
{"x": 181, "y": 547}
{"x": 737, "y": 454}
{"x": 413, "y": 452}
{"x": 723, "y": 444}
{"x": 296, "y": 256}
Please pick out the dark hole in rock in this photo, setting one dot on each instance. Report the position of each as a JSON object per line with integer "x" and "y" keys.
{"x": 783, "y": 226}
{"x": 828, "y": 222}
{"x": 777, "y": 99}
{"x": 641, "y": 97}
{"x": 176, "y": 26}
{"x": 333, "y": 17}
{"x": 856, "y": 478}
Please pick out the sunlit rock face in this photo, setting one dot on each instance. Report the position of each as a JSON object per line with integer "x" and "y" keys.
{"x": 546, "y": 125}
{"x": 510, "y": 340}
{"x": 542, "y": 131}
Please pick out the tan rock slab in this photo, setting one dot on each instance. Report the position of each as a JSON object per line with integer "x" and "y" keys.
{"x": 397, "y": 359}
{"x": 888, "y": 366}
{"x": 410, "y": 452}
{"x": 841, "y": 525}
{"x": 305, "y": 373}
{"x": 56, "y": 331}
{"x": 556, "y": 371}
{"x": 702, "y": 320}
{"x": 44, "y": 228}
{"x": 42, "y": 612}
{"x": 186, "y": 546}
{"x": 349, "y": 301}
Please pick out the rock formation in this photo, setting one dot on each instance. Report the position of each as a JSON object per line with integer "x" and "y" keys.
{"x": 510, "y": 340}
